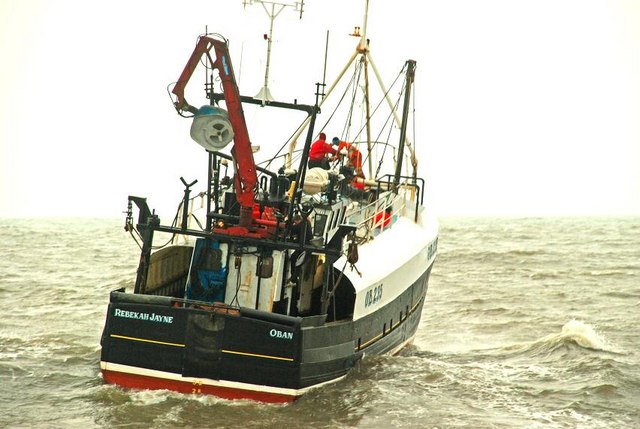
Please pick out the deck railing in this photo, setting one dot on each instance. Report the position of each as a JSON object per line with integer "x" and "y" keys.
{"x": 381, "y": 214}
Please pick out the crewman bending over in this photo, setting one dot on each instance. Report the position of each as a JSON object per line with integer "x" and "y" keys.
{"x": 319, "y": 151}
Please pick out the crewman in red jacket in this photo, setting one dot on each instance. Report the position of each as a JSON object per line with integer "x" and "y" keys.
{"x": 319, "y": 151}
{"x": 355, "y": 156}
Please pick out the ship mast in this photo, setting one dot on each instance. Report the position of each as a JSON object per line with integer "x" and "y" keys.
{"x": 362, "y": 50}
{"x": 265, "y": 94}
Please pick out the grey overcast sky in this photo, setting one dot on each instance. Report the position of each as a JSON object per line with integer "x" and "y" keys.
{"x": 525, "y": 107}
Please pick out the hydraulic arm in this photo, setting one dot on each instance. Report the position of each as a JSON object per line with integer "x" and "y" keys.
{"x": 245, "y": 168}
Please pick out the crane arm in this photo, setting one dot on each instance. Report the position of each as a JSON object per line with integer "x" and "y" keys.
{"x": 245, "y": 167}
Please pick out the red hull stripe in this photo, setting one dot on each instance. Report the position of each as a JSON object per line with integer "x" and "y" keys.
{"x": 141, "y": 378}
{"x": 136, "y": 381}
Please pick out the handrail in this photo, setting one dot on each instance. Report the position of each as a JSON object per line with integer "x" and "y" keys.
{"x": 377, "y": 215}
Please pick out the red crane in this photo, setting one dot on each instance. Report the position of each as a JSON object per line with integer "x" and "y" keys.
{"x": 246, "y": 177}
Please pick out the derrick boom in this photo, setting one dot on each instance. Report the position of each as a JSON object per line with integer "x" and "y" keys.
{"x": 244, "y": 164}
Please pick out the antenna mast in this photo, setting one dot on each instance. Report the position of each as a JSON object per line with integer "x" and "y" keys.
{"x": 265, "y": 94}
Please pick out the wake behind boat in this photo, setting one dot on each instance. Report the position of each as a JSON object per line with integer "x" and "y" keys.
{"x": 292, "y": 275}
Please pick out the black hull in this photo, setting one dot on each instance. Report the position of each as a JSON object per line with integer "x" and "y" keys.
{"x": 156, "y": 342}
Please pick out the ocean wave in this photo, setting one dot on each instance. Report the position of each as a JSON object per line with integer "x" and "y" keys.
{"x": 549, "y": 275}
{"x": 487, "y": 255}
{"x": 584, "y": 335}
{"x": 575, "y": 334}
{"x": 622, "y": 294}
{"x": 612, "y": 272}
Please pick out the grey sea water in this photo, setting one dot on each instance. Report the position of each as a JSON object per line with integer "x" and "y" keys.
{"x": 529, "y": 323}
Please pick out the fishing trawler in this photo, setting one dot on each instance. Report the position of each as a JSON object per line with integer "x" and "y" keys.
{"x": 291, "y": 275}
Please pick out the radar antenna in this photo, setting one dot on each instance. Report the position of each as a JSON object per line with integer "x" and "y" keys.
{"x": 265, "y": 94}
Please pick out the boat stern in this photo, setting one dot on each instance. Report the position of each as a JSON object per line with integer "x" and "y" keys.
{"x": 152, "y": 342}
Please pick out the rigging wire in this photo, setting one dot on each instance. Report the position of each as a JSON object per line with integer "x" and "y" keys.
{"x": 352, "y": 85}
{"x": 381, "y": 101}
{"x": 349, "y": 117}
{"x": 277, "y": 155}
{"x": 413, "y": 127}
{"x": 351, "y": 82}
{"x": 388, "y": 138}
{"x": 386, "y": 122}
